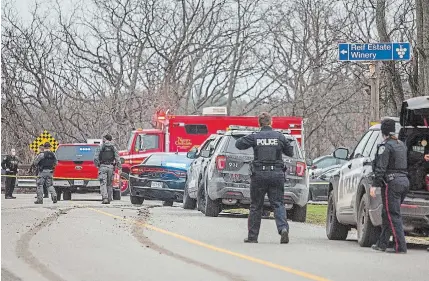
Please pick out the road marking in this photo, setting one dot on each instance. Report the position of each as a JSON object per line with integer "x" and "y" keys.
{"x": 221, "y": 250}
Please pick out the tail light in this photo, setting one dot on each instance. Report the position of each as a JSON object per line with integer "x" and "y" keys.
{"x": 136, "y": 170}
{"x": 427, "y": 182}
{"x": 220, "y": 162}
{"x": 300, "y": 169}
{"x": 181, "y": 174}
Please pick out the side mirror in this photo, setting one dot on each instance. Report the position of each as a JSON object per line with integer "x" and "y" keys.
{"x": 122, "y": 160}
{"x": 341, "y": 153}
{"x": 323, "y": 177}
{"x": 309, "y": 163}
{"x": 192, "y": 154}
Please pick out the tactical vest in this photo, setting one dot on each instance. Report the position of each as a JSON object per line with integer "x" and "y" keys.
{"x": 398, "y": 157}
{"x": 268, "y": 149}
{"x": 107, "y": 155}
{"x": 48, "y": 161}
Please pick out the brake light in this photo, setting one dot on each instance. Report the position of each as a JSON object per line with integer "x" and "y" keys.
{"x": 220, "y": 162}
{"x": 300, "y": 169}
{"x": 181, "y": 174}
{"x": 136, "y": 170}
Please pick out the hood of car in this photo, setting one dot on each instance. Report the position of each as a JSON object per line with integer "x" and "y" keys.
{"x": 415, "y": 112}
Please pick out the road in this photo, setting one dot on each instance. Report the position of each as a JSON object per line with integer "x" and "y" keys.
{"x": 84, "y": 240}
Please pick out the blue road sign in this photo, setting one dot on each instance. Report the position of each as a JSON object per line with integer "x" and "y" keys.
{"x": 374, "y": 51}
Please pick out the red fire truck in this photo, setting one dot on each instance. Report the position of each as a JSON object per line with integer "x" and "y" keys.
{"x": 180, "y": 133}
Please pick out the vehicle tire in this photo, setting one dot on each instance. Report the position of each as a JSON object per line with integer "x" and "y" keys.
{"x": 334, "y": 229}
{"x": 201, "y": 197}
{"x": 167, "y": 203}
{"x": 135, "y": 200}
{"x": 67, "y": 195}
{"x": 125, "y": 190}
{"x": 298, "y": 213}
{"x": 59, "y": 192}
{"x": 212, "y": 207}
{"x": 367, "y": 233}
{"x": 116, "y": 194}
{"x": 188, "y": 202}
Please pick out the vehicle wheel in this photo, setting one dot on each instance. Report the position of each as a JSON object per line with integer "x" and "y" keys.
{"x": 334, "y": 229}
{"x": 67, "y": 195}
{"x": 59, "y": 192}
{"x": 201, "y": 197}
{"x": 298, "y": 213}
{"x": 116, "y": 194}
{"x": 367, "y": 233}
{"x": 124, "y": 185}
{"x": 212, "y": 207}
{"x": 135, "y": 200}
{"x": 188, "y": 202}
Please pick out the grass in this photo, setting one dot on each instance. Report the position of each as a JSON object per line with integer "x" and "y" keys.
{"x": 316, "y": 214}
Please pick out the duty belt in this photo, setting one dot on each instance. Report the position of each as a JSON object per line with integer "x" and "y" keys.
{"x": 106, "y": 163}
{"x": 268, "y": 167}
{"x": 391, "y": 176}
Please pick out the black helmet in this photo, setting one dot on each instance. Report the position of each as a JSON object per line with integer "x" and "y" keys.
{"x": 47, "y": 145}
{"x": 108, "y": 137}
{"x": 388, "y": 127}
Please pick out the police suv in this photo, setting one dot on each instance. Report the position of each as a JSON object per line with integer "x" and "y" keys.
{"x": 350, "y": 204}
{"x": 226, "y": 181}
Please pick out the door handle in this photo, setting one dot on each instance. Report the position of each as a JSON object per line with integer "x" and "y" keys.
{"x": 350, "y": 166}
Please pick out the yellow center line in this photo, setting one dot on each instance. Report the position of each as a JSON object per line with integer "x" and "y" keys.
{"x": 213, "y": 248}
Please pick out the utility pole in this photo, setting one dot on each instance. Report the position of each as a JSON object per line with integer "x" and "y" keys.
{"x": 375, "y": 91}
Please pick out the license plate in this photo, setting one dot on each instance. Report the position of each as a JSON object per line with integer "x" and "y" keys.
{"x": 78, "y": 182}
{"x": 156, "y": 184}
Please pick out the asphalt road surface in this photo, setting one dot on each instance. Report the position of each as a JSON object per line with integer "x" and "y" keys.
{"x": 84, "y": 240}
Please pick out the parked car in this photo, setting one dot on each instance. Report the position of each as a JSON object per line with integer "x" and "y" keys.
{"x": 319, "y": 185}
{"x": 161, "y": 176}
{"x": 350, "y": 204}
{"x": 226, "y": 182}
{"x": 76, "y": 171}
{"x": 323, "y": 162}
{"x": 197, "y": 170}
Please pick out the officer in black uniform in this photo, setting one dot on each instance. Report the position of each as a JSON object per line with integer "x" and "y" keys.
{"x": 390, "y": 173}
{"x": 10, "y": 164}
{"x": 45, "y": 163}
{"x": 267, "y": 176}
{"x": 106, "y": 158}
{"x": 34, "y": 170}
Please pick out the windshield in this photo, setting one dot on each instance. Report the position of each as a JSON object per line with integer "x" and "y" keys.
{"x": 232, "y": 149}
{"x": 76, "y": 153}
{"x": 169, "y": 160}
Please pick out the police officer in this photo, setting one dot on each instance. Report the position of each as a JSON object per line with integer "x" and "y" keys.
{"x": 10, "y": 164}
{"x": 45, "y": 163}
{"x": 267, "y": 176}
{"x": 34, "y": 170}
{"x": 390, "y": 173}
{"x": 106, "y": 158}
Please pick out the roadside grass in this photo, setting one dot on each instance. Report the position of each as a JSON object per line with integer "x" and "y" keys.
{"x": 316, "y": 214}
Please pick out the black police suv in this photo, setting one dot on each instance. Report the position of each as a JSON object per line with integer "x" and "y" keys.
{"x": 225, "y": 183}
{"x": 350, "y": 204}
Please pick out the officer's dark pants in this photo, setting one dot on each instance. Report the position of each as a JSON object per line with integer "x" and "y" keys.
{"x": 10, "y": 184}
{"x": 393, "y": 194}
{"x": 263, "y": 182}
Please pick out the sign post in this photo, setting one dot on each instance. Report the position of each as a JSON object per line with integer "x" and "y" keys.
{"x": 373, "y": 53}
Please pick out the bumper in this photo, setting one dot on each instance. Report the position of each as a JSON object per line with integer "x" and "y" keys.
{"x": 78, "y": 185}
{"x": 239, "y": 194}
{"x": 171, "y": 190}
{"x": 414, "y": 211}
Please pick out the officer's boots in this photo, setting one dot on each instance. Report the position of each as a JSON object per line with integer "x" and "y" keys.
{"x": 39, "y": 201}
{"x": 54, "y": 199}
{"x": 105, "y": 201}
{"x": 284, "y": 236}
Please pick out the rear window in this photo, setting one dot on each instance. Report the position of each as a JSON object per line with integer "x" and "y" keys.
{"x": 174, "y": 161}
{"x": 232, "y": 149}
{"x": 76, "y": 153}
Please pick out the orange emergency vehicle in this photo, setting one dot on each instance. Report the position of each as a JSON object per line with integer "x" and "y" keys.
{"x": 180, "y": 133}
